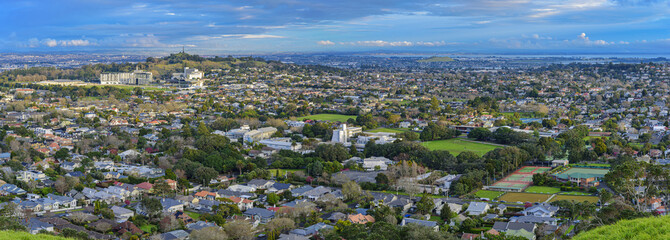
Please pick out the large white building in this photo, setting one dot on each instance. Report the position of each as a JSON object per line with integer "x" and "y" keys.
{"x": 136, "y": 77}
{"x": 281, "y": 143}
{"x": 189, "y": 74}
{"x": 259, "y": 134}
{"x": 343, "y": 134}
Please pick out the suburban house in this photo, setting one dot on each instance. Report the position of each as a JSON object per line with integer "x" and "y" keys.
{"x": 541, "y": 210}
{"x": 430, "y": 224}
{"x": 477, "y": 208}
{"x": 122, "y": 214}
{"x": 259, "y": 214}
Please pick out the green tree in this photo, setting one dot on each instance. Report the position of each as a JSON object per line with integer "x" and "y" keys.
{"x": 272, "y": 199}
{"x": 446, "y": 213}
{"x": 425, "y": 205}
{"x": 62, "y": 154}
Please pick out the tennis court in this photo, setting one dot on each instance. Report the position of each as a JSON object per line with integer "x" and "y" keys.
{"x": 518, "y": 180}
{"x": 581, "y": 173}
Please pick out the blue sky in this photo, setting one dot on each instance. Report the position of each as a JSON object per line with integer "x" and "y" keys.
{"x": 259, "y": 26}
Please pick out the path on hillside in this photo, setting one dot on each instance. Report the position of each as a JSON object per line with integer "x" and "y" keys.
{"x": 552, "y": 196}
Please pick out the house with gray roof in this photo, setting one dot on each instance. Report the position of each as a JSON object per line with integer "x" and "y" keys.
{"x": 200, "y": 225}
{"x": 11, "y": 189}
{"x": 311, "y": 230}
{"x": 426, "y": 223}
{"x": 175, "y": 235}
{"x": 122, "y": 214}
{"x": 34, "y": 226}
{"x": 259, "y": 214}
{"x": 477, "y": 208}
{"x": 541, "y": 210}
{"x": 515, "y": 226}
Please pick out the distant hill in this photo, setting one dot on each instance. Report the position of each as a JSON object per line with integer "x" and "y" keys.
{"x": 27, "y": 236}
{"x": 437, "y": 59}
{"x": 162, "y": 68}
{"x": 639, "y": 229}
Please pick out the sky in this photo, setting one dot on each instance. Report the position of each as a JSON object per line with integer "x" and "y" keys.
{"x": 317, "y": 26}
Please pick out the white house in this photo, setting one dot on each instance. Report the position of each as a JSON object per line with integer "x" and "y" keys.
{"x": 477, "y": 208}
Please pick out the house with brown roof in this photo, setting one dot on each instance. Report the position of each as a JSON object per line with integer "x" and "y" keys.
{"x": 145, "y": 186}
{"x": 242, "y": 203}
{"x": 206, "y": 195}
{"x": 360, "y": 218}
{"x": 127, "y": 226}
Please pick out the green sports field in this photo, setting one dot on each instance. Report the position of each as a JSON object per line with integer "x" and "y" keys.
{"x": 389, "y": 130}
{"x": 590, "y": 199}
{"x": 488, "y": 194}
{"x": 524, "y": 197}
{"x": 576, "y": 193}
{"x": 539, "y": 189}
{"x": 456, "y": 146}
{"x": 330, "y": 117}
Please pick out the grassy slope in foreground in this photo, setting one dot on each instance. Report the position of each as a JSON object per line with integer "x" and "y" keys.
{"x": 437, "y": 59}
{"x": 456, "y": 146}
{"x": 7, "y": 235}
{"x": 639, "y": 229}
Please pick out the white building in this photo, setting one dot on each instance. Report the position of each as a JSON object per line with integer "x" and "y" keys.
{"x": 259, "y": 134}
{"x": 343, "y": 134}
{"x": 281, "y": 143}
{"x": 26, "y": 176}
{"x": 372, "y": 163}
{"x": 188, "y": 74}
{"x": 136, "y": 77}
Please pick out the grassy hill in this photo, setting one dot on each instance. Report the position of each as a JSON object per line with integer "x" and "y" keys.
{"x": 12, "y": 235}
{"x": 437, "y": 59}
{"x": 639, "y": 229}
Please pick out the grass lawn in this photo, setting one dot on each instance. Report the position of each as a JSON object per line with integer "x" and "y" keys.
{"x": 15, "y": 235}
{"x": 194, "y": 215}
{"x": 576, "y": 193}
{"x": 147, "y": 228}
{"x": 524, "y": 197}
{"x": 456, "y": 146}
{"x": 330, "y": 117}
{"x": 488, "y": 194}
{"x": 590, "y": 199}
{"x": 539, "y": 189}
{"x": 650, "y": 228}
{"x": 389, "y": 130}
{"x": 282, "y": 172}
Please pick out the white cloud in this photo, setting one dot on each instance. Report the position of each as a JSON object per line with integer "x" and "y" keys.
{"x": 170, "y": 14}
{"x": 325, "y": 43}
{"x": 251, "y": 36}
{"x": 583, "y": 36}
{"x": 431, "y": 44}
{"x": 74, "y": 43}
{"x": 585, "y": 40}
{"x": 50, "y": 42}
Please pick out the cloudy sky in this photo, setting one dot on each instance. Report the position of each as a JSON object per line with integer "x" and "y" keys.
{"x": 262, "y": 26}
